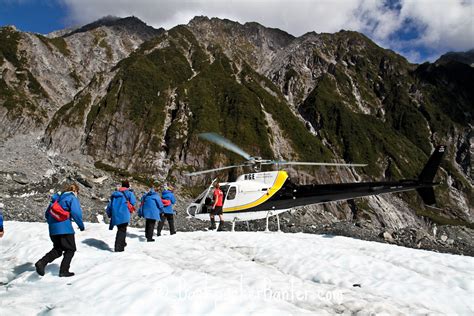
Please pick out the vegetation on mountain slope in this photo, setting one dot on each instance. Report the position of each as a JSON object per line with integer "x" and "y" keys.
{"x": 20, "y": 91}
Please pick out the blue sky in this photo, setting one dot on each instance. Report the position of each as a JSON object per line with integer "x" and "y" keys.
{"x": 34, "y": 16}
{"x": 418, "y": 29}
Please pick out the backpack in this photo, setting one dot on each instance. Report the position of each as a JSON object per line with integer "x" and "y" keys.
{"x": 165, "y": 202}
{"x": 130, "y": 207}
{"x": 57, "y": 212}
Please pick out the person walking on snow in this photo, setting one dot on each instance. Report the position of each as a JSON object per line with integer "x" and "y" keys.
{"x": 1, "y": 220}
{"x": 218, "y": 201}
{"x": 168, "y": 212}
{"x": 61, "y": 231}
{"x": 122, "y": 203}
{"x": 150, "y": 208}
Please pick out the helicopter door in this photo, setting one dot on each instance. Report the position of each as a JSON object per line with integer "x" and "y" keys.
{"x": 229, "y": 200}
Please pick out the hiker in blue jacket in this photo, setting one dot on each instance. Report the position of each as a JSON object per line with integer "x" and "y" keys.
{"x": 61, "y": 231}
{"x": 1, "y": 220}
{"x": 168, "y": 212}
{"x": 122, "y": 203}
{"x": 150, "y": 208}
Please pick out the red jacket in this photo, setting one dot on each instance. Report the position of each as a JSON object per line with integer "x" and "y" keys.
{"x": 218, "y": 197}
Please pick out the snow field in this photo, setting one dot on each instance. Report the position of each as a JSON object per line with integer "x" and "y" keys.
{"x": 229, "y": 273}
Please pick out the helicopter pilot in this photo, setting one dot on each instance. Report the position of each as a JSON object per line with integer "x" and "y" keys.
{"x": 218, "y": 199}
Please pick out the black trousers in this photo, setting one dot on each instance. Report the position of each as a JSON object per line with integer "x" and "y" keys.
{"x": 120, "y": 237}
{"x": 170, "y": 219}
{"x": 63, "y": 245}
{"x": 149, "y": 228}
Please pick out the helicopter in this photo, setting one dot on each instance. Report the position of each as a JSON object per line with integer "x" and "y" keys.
{"x": 258, "y": 195}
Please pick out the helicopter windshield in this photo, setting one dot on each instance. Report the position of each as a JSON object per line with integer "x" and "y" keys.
{"x": 199, "y": 198}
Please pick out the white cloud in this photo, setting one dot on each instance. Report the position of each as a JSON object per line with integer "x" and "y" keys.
{"x": 444, "y": 24}
{"x": 449, "y": 23}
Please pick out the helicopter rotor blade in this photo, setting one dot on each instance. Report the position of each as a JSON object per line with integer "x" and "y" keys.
{"x": 314, "y": 163}
{"x": 211, "y": 170}
{"x": 224, "y": 142}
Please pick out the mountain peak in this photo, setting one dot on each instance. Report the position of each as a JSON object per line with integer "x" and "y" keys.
{"x": 9, "y": 28}
{"x": 205, "y": 25}
{"x": 199, "y": 19}
{"x": 130, "y": 23}
{"x": 466, "y": 57}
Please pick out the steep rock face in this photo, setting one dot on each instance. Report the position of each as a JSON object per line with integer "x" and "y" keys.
{"x": 172, "y": 89}
{"x": 251, "y": 42}
{"x": 21, "y": 95}
{"x": 41, "y": 73}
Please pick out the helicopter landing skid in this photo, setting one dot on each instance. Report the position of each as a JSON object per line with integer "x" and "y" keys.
{"x": 278, "y": 222}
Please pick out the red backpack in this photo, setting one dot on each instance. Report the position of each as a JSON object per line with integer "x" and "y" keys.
{"x": 130, "y": 207}
{"x": 57, "y": 212}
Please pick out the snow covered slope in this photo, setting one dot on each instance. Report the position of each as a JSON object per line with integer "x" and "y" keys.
{"x": 222, "y": 273}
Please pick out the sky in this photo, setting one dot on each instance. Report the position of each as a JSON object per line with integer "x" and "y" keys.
{"x": 420, "y": 30}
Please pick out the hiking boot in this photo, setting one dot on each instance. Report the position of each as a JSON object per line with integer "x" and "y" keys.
{"x": 221, "y": 227}
{"x": 40, "y": 265}
{"x": 213, "y": 224}
{"x": 150, "y": 240}
{"x": 66, "y": 274}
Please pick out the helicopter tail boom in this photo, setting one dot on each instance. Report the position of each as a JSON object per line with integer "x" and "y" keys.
{"x": 429, "y": 171}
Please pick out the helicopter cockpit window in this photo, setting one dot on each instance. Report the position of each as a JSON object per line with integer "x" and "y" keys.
{"x": 207, "y": 197}
{"x": 231, "y": 194}
{"x": 199, "y": 198}
{"x": 224, "y": 189}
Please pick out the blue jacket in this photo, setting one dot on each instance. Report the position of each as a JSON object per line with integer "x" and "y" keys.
{"x": 68, "y": 202}
{"x": 117, "y": 209}
{"x": 168, "y": 195}
{"x": 151, "y": 206}
{"x": 1, "y": 220}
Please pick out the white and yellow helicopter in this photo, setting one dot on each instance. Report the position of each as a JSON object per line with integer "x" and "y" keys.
{"x": 259, "y": 195}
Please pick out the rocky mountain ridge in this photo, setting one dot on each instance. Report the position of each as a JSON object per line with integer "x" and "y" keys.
{"x": 40, "y": 74}
{"x": 130, "y": 100}
{"x": 462, "y": 57}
